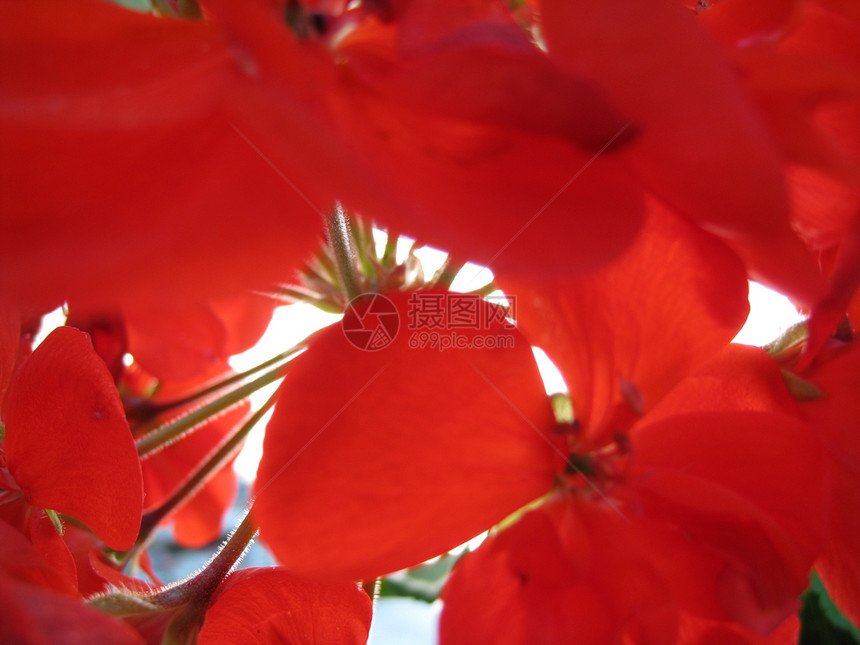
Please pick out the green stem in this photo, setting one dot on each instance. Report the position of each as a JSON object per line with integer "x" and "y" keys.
{"x": 308, "y": 298}
{"x": 447, "y": 272}
{"x": 365, "y": 248}
{"x": 166, "y": 433}
{"x": 147, "y": 410}
{"x": 341, "y": 246}
{"x": 792, "y": 336}
{"x": 214, "y": 463}
{"x": 389, "y": 254}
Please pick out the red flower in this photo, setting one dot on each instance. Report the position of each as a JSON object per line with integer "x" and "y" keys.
{"x": 672, "y": 503}
{"x": 698, "y": 520}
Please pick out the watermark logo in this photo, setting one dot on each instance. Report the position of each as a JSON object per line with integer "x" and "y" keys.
{"x": 435, "y": 321}
{"x": 371, "y": 322}
{"x": 453, "y": 311}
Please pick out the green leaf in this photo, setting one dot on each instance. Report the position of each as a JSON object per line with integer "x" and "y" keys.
{"x": 424, "y": 582}
{"x": 821, "y": 621}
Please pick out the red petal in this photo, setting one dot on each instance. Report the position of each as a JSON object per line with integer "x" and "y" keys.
{"x": 567, "y": 572}
{"x": 68, "y": 444}
{"x": 35, "y": 616}
{"x": 670, "y": 302}
{"x": 44, "y": 536}
{"x": 176, "y": 342}
{"x": 702, "y": 147}
{"x": 96, "y": 571}
{"x": 121, "y": 175}
{"x": 740, "y": 377}
{"x": 697, "y": 631}
{"x": 475, "y": 63}
{"x": 20, "y": 560}
{"x": 477, "y": 189}
{"x": 834, "y": 416}
{"x": 748, "y": 529}
{"x": 10, "y": 331}
{"x": 107, "y": 331}
{"x": 246, "y": 318}
{"x": 735, "y": 22}
{"x": 377, "y": 460}
{"x": 839, "y": 565}
{"x": 270, "y": 605}
{"x": 179, "y": 341}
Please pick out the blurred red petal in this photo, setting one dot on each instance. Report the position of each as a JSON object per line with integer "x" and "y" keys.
{"x": 97, "y": 572}
{"x": 783, "y": 263}
{"x": 10, "y": 331}
{"x": 473, "y": 62}
{"x": 100, "y": 104}
{"x": 735, "y": 22}
{"x": 826, "y": 208}
{"x": 834, "y": 416}
{"x": 36, "y": 616}
{"x": 68, "y": 444}
{"x": 270, "y": 605}
{"x": 670, "y": 302}
{"x": 698, "y": 631}
{"x": 842, "y": 285}
{"x": 839, "y": 565}
{"x": 479, "y": 190}
{"x": 366, "y": 449}
{"x": 47, "y": 540}
{"x": 702, "y": 146}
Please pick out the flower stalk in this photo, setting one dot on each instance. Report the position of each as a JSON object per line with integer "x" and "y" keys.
{"x": 191, "y": 485}
{"x": 339, "y": 239}
{"x": 166, "y": 433}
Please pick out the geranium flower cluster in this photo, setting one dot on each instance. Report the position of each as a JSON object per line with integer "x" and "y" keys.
{"x": 171, "y": 174}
